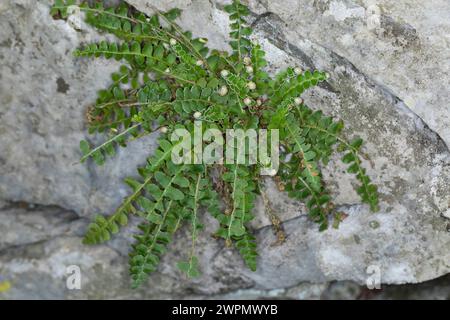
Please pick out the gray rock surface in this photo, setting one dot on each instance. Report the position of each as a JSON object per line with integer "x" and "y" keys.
{"x": 389, "y": 68}
{"x": 438, "y": 289}
{"x": 44, "y": 95}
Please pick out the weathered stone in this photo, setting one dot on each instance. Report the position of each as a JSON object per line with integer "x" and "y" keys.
{"x": 21, "y": 226}
{"x": 44, "y": 92}
{"x": 400, "y": 47}
{"x": 388, "y": 72}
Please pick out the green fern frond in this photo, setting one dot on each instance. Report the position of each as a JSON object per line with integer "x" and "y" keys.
{"x": 292, "y": 85}
{"x": 238, "y": 178}
{"x": 248, "y": 250}
{"x": 301, "y": 175}
{"x": 240, "y": 31}
{"x": 259, "y": 76}
{"x": 307, "y": 165}
{"x": 323, "y": 133}
{"x": 150, "y": 246}
{"x": 190, "y": 267}
{"x": 148, "y": 57}
{"x": 107, "y": 148}
{"x": 101, "y": 228}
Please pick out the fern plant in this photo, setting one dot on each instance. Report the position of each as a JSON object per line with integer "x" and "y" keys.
{"x": 171, "y": 79}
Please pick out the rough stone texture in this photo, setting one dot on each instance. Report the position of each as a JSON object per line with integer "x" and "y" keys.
{"x": 44, "y": 94}
{"x": 389, "y": 68}
{"x": 430, "y": 290}
{"x": 403, "y": 46}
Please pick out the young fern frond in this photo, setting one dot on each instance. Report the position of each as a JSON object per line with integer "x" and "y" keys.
{"x": 171, "y": 82}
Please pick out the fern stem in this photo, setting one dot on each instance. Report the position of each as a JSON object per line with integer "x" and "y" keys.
{"x": 313, "y": 193}
{"x": 112, "y": 14}
{"x": 137, "y": 37}
{"x": 166, "y": 188}
{"x": 299, "y": 145}
{"x": 105, "y": 52}
{"x": 98, "y": 148}
{"x": 352, "y": 149}
{"x": 185, "y": 41}
{"x": 177, "y": 224}
{"x": 230, "y": 64}
{"x": 118, "y": 80}
{"x": 194, "y": 222}
{"x": 155, "y": 235}
{"x": 105, "y": 125}
{"x": 233, "y": 195}
{"x": 110, "y": 103}
{"x": 239, "y": 32}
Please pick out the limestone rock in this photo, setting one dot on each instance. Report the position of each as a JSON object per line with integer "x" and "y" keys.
{"x": 388, "y": 75}
{"x": 44, "y": 93}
